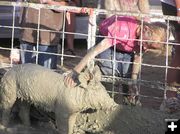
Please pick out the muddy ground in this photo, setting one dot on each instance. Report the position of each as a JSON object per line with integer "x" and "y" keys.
{"x": 122, "y": 119}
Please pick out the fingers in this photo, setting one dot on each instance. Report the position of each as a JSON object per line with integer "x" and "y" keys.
{"x": 87, "y": 77}
{"x": 69, "y": 82}
{"x": 71, "y": 78}
{"x": 45, "y": 1}
{"x": 42, "y": 1}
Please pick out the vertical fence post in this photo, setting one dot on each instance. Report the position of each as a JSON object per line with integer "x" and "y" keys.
{"x": 91, "y": 35}
{"x": 12, "y": 38}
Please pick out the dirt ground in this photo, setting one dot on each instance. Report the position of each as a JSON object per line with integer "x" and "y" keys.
{"x": 151, "y": 97}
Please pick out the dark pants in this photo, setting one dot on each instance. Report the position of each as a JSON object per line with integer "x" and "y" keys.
{"x": 122, "y": 66}
{"x": 46, "y": 60}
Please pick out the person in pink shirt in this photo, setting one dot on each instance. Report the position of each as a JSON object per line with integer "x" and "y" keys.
{"x": 126, "y": 52}
{"x": 124, "y": 29}
{"x": 121, "y": 27}
{"x": 135, "y": 6}
{"x": 122, "y": 39}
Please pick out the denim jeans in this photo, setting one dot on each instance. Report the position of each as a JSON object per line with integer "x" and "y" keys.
{"x": 46, "y": 60}
{"x": 122, "y": 69}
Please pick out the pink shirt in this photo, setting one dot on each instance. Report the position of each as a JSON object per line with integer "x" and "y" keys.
{"x": 121, "y": 31}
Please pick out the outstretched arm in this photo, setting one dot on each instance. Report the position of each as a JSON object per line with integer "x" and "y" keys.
{"x": 52, "y": 2}
{"x": 136, "y": 67}
{"x": 102, "y": 46}
{"x": 60, "y": 3}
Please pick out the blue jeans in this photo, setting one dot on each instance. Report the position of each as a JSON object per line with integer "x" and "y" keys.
{"x": 46, "y": 60}
{"x": 121, "y": 69}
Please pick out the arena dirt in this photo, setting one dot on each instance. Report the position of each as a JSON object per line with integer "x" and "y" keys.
{"x": 122, "y": 119}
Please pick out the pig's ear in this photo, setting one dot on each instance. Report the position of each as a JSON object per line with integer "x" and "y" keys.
{"x": 96, "y": 73}
{"x": 85, "y": 77}
{"x": 91, "y": 75}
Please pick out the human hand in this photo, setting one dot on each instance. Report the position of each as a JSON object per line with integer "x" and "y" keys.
{"x": 71, "y": 79}
{"x": 134, "y": 95}
{"x": 45, "y": 1}
{"x": 133, "y": 87}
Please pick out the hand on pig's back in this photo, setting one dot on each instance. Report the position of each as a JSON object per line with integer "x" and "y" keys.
{"x": 71, "y": 79}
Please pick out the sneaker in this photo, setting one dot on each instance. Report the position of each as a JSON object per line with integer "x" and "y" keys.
{"x": 170, "y": 105}
{"x": 69, "y": 52}
{"x": 132, "y": 95}
{"x": 131, "y": 100}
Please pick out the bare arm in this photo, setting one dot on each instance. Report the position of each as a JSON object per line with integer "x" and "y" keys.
{"x": 144, "y": 6}
{"x": 102, "y": 46}
{"x": 135, "y": 72}
{"x": 52, "y": 2}
{"x": 136, "y": 67}
{"x": 177, "y": 3}
{"x": 61, "y": 3}
{"x": 178, "y": 8}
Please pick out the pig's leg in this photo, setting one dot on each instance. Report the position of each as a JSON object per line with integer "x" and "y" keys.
{"x": 24, "y": 113}
{"x": 72, "y": 121}
{"x": 6, "y": 114}
{"x": 65, "y": 120}
{"x": 62, "y": 118}
{"x": 8, "y": 98}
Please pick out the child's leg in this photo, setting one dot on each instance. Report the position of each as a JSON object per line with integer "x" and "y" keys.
{"x": 172, "y": 101}
{"x": 125, "y": 70}
{"x": 173, "y": 76}
{"x": 70, "y": 27}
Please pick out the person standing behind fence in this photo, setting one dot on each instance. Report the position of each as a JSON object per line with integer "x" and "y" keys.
{"x": 134, "y": 6}
{"x": 110, "y": 27}
{"x": 172, "y": 8}
{"x": 70, "y": 27}
{"x": 50, "y": 24}
{"x": 140, "y": 6}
